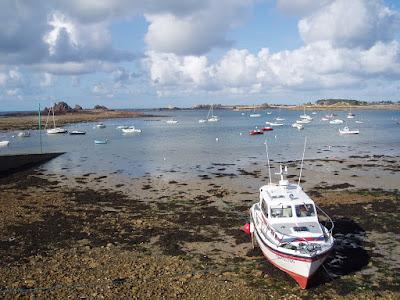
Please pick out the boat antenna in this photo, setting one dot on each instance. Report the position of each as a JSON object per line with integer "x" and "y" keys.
{"x": 302, "y": 160}
{"x": 269, "y": 165}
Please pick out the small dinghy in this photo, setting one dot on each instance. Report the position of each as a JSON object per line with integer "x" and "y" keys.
{"x": 298, "y": 126}
{"x": 100, "y": 142}
{"x": 256, "y": 131}
{"x": 171, "y": 121}
{"x": 267, "y": 128}
{"x": 100, "y": 125}
{"x": 336, "y": 121}
{"x": 285, "y": 225}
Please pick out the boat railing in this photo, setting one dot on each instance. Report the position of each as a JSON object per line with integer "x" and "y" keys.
{"x": 329, "y": 220}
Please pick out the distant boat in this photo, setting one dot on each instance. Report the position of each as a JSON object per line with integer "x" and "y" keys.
{"x": 210, "y": 116}
{"x": 303, "y": 121}
{"x": 100, "y": 142}
{"x": 171, "y": 121}
{"x": 267, "y": 129}
{"x": 346, "y": 130}
{"x": 298, "y": 126}
{"x": 77, "y": 132}
{"x": 122, "y": 127}
{"x": 350, "y": 115}
{"x": 254, "y": 114}
{"x": 314, "y": 113}
{"x": 279, "y": 119}
{"x": 274, "y": 124}
{"x": 324, "y": 119}
{"x": 131, "y": 129}
{"x": 359, "y": 122}
{"x": 256, "y": 131}
{"x": 268, "y": 112}
{"x": 4, "y": 143}
{"x": 100, "y": 125}
{"x": 24, "y": 134}
{"x": 305, "y": 116}
{"x": 336, "y": 121}
{"x": 54, "y": 130}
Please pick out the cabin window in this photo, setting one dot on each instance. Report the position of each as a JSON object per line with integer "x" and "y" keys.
{"x": 284, "y": 211}
{"x": 305, "y": 210}
{"x": 264, "y": 208}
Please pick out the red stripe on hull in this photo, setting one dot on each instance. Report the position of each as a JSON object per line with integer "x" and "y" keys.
{"x": 301, "y": 280}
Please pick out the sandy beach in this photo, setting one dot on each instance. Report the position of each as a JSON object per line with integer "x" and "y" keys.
{"x": 108, "y": 236}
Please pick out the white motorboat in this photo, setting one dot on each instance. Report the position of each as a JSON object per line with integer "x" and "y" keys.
{"x": 4, "y": 143}
{"x": 254, "y": 114}
{"x": 336, "y": 121}
{"x": 54, "y": 130}
{"x": 131, "y": 129}
{"x": 122, "y": 127}
{"x": 100, "y": 126}
{"x": 346, "y": 130}
{"x": 24, "y": 134}
{"x": 202, "y": 121}
{"x": 274, "y": 123}
{"x": 324, "y": 119}
{"x": 303, "y": 121}
{"x": 359, "y": 122}
{"x": 171, "y": 121}
{"x": 279, "y": 119}
{"x": 285, "y": 225}
{"x": 269, "y": 112}
{"x": 350, "y": 115}
{"x": 298, "y": 126}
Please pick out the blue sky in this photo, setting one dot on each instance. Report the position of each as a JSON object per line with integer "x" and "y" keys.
{"x": 154, "y": 53}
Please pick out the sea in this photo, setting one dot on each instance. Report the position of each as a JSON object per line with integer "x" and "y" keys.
{"x": 189, "y": 147}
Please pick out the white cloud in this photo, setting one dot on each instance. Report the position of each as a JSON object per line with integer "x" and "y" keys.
{"x": 99, "y": 89}
{"x": 47, "y": 80}
{"x": 356, "y": 23}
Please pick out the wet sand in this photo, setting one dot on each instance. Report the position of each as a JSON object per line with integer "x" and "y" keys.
{"x": 109, "y": 236}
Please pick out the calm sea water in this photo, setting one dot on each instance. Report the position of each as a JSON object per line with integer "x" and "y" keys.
{"x": 185, "y": 146}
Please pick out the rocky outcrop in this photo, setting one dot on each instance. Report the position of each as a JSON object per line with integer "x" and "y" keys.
{"x": 78, "y": 108}
{"x": 100, "y": 107}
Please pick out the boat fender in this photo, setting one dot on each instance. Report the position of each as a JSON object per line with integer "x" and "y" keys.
{"x": 248, "y": 228}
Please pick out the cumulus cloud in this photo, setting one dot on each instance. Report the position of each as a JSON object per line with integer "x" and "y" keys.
{"x": 46, "y": 80}
{"x": 356, "y": 23}
{"x": 198, "y": 32}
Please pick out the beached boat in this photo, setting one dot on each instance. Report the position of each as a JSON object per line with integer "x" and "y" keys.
{"x": 336, "y": 121}
{"x": 298, "y": 126}
{"x": 100, "y": 142}
{"x": 171, "y": 121}
{"x": 256, "y": 131}
{"x": 274, "y": 123}
{"x": 131, "y": 129}
{"x": 54, "y": 130}
{"x": 4, "y": 143}
{"x": 100, "y": 126}
{"x": 285, "y": 225}
{"x": 77, "y": 132}
{"x": 267, "y": 128}
{"x": 210, "y": 116}
{"x": 24, "y": 134}
{"x": 254, "y": 114}
{"x": 346, "y": 130}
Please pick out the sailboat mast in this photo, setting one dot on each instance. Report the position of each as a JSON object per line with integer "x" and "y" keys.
{"x": 54, "y": 122}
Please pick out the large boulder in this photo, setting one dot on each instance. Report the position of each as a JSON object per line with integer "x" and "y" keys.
{"x": 78, "y": 108}
{"x": 100, "y": 107}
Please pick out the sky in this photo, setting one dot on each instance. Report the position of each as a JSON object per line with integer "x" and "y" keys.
{"x": 156, "y": 53}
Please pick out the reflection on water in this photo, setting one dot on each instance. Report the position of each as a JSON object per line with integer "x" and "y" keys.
{"x": 181, "y": 147}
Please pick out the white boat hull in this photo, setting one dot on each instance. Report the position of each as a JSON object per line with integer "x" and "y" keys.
{"x": 57, "y": 130}
{"x": 299, "y": 268}
{"x": 4, "y": 143}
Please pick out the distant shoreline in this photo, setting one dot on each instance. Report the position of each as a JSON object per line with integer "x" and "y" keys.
{"x": 26, "y": 121}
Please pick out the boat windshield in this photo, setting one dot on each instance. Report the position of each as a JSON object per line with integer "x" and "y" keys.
{"x": 284, "y": 211}
{"x": 305, "y": 210}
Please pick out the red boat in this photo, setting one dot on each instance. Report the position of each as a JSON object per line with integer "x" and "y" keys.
{"x": 256, "y": 132}
{"x": 267, "y": 129}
